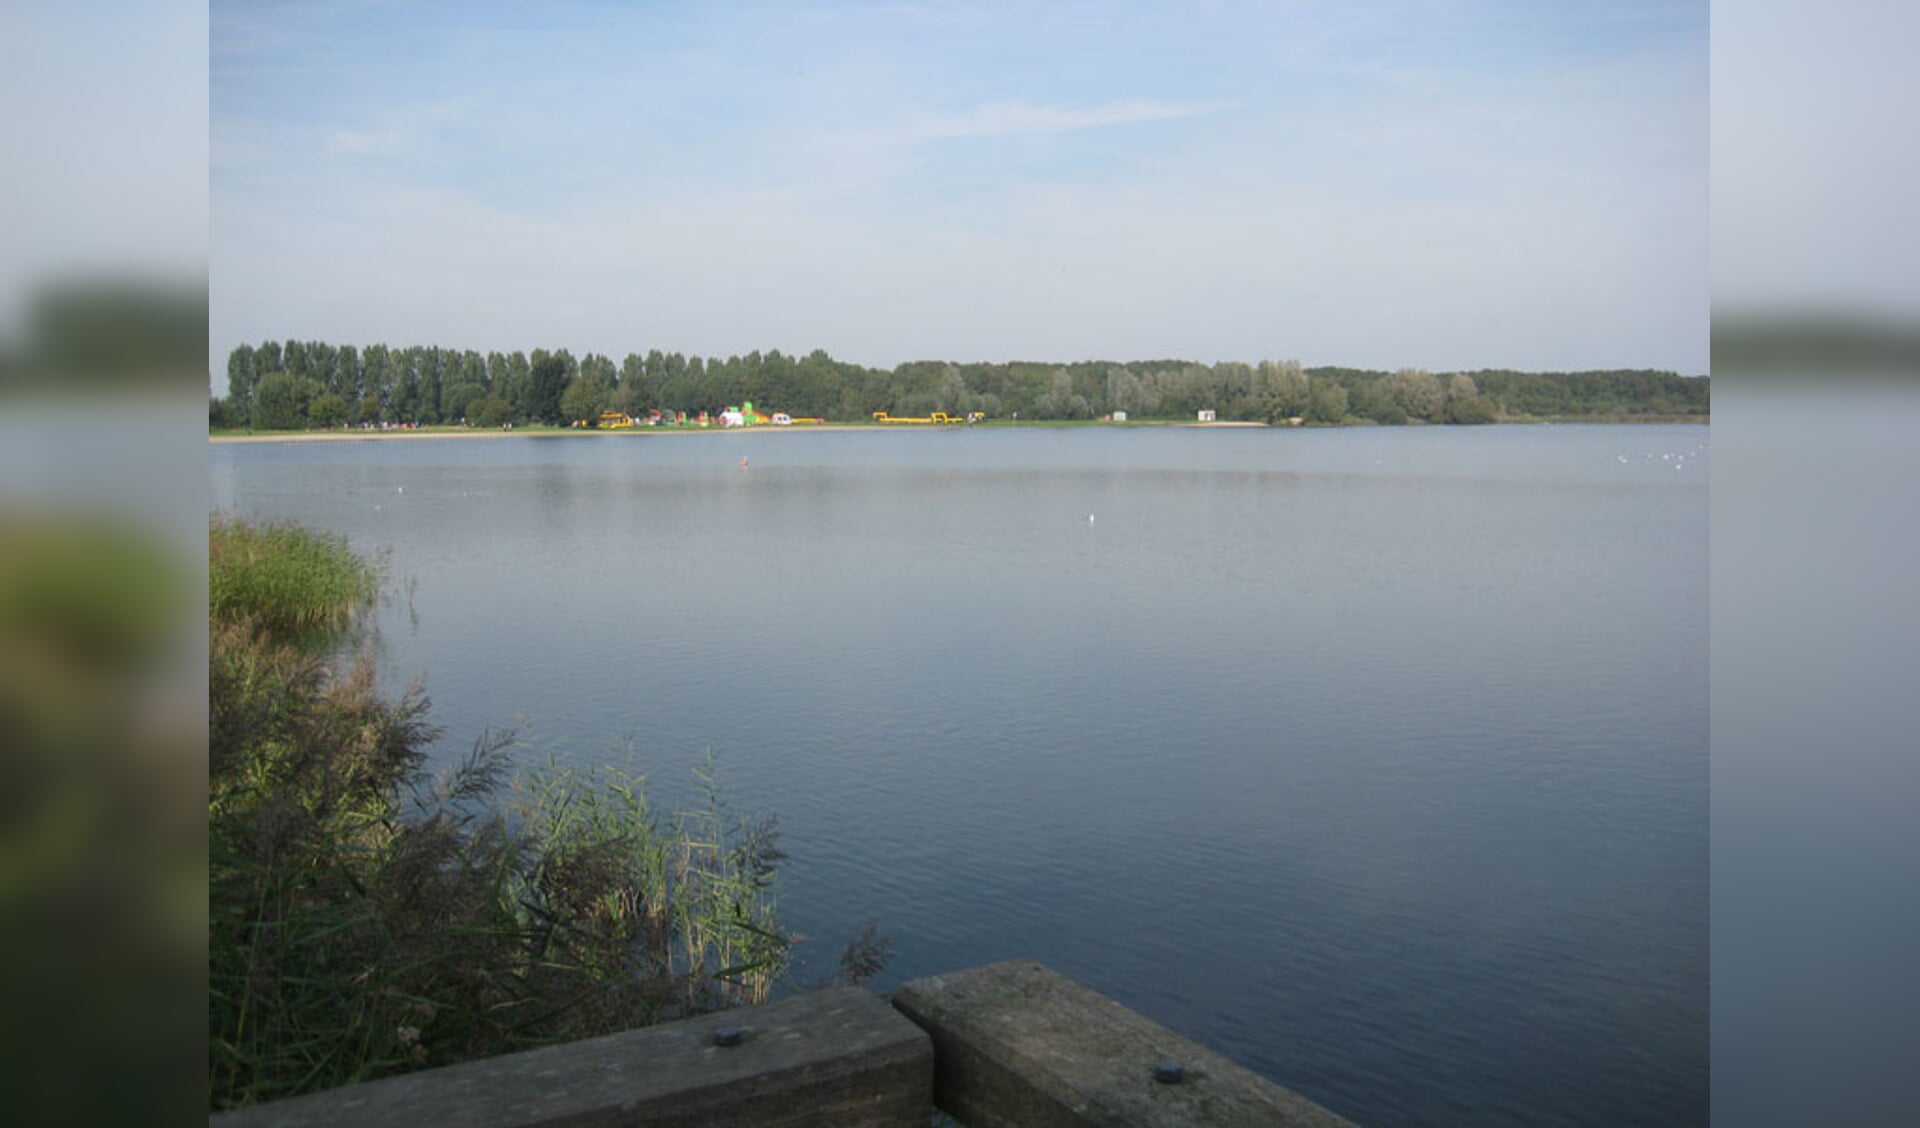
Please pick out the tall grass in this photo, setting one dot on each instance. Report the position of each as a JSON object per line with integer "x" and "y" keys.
{"x": 284, "y": 577}
{"x": 367, "y": 917}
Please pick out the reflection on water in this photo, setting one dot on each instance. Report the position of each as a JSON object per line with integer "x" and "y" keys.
{"x": 1375, "y": 758}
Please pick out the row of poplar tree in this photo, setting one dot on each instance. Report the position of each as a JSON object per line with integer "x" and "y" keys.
{"x": 295, "y": 384}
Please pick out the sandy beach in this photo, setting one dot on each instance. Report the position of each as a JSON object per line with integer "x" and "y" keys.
{"x": 457, "y": 433}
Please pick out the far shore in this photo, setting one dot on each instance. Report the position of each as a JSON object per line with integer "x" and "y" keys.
{"x": 570, "y": 432}
{"x": 497, "y": 433}
{"x": 350, "y": 436}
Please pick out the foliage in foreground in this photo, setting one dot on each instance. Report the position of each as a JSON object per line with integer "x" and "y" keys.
{"x": 365, "y": 919}
{"x": 100, "y": 842}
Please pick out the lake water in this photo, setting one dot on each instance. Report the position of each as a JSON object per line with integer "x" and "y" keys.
{"x": 1376, "y": 759}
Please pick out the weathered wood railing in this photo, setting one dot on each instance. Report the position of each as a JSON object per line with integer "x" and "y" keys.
{"x": 1008, "y": 1044}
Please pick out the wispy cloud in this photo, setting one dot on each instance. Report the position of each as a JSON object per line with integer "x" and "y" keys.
{"x": 1366, "y": 184}
{"x": 397, "y": 129}
{"x": 1006, "y": 119}
{"x": 358, "y": 143}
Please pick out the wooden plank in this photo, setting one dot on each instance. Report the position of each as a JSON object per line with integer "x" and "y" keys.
{"x": 834, "y": 1057}
{"x": 1018, "y": 1044}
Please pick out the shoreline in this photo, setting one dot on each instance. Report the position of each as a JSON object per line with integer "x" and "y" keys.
{"x": 570, "y": 433}
{"x": 556, "y": 433}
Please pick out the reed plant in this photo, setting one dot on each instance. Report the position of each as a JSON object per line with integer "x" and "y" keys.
{"x": 367, "y": 916}
{"x": 285, "y": 578}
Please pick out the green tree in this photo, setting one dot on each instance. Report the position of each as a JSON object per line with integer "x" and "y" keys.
{"x": 464, "y": 382}
{"x": 1472, "y": 409}
{"x": 816, "y": 385}
{"x": 472, "y": 369}
{"x": 950, "y": 394}
{"x": 511, "y": 377}
{"x": 266, "y": 358}
{"x": 1060, "y": 400}
{"x": 1417, "y": 392}
{"x": 1127, "y": 392}
{"x": 1327, "y": 403}
{"x": 489, "y": 412}
{"x": 1372, "y": 399}
{"x": 377, "y": 382}
{"x": 1281, "y": 389}
{"x": 456, "y": 397}
{"x": 276, "y": 404}
{"x": 408, "y": 402}
{"x": 548, "y": 376}
{"x": 345, "y": 381}
{"x": 637, "y": 393}
{"x": 1464, "y": 403}
{"x": 295, "y": 360}
{"x": 1233, "y": 395}
{"x": 586, "y": 397}
{"x": 601, "y": 368}
{"x": 242, "y": 376}
{"x": 434, "y": 364}
{"x": 1184, "y": 389}
{"x": 327, "y": 410}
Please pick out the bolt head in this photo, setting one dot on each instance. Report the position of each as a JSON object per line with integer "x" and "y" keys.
{"x": 1168, "y": 1073}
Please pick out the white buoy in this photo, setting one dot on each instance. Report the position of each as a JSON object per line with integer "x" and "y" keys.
{"x": 1089, "y": 518}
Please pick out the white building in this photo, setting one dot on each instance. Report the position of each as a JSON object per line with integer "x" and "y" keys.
{"x": 1206, "y": 415}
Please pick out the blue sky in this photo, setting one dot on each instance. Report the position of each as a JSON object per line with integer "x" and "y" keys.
{"x": 1447, "y": 185}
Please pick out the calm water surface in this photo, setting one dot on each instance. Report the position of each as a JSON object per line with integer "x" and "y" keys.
{"x": 1374, "y": 758}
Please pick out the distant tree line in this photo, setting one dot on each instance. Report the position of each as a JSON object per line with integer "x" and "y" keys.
{"x": 296, "y": 384}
